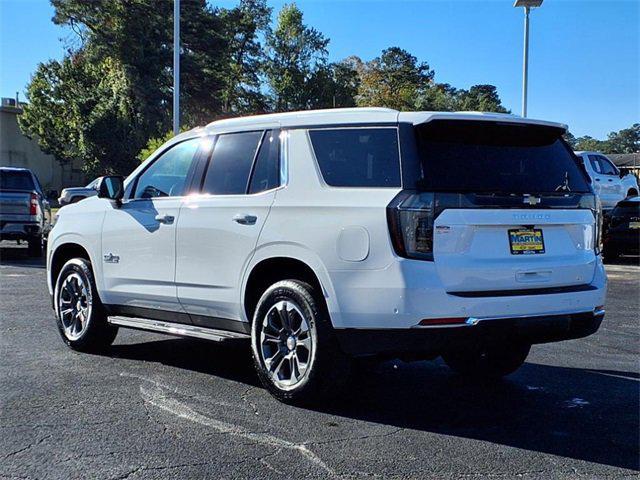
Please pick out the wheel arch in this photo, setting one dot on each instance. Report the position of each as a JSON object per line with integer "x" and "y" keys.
{"x": 62, "y": 254}
{"x": 267, "y": 270}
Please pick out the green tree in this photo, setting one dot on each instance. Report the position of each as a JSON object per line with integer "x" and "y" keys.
{"x": 112, "y": 92}
{"x": 81, "y": 109}
{"x": 626, "y": 140}
{"x": 589, "y": 143}
{"x": 241, "y": 92}
{"x": 296, "y": 55}
{"x": 395, "y": 79}
{"x": 570, "y": 139}
{"x": 482, "y": 98}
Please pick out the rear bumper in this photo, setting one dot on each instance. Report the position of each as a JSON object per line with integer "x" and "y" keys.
{"x": 433, "y": 341}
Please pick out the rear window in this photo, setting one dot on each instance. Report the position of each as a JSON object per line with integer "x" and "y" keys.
{"x": 358, "y": 157}
{"x": 16, "y": 181}
{"x": 489, "y": 157}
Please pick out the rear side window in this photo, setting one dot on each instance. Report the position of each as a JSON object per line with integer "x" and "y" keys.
{"x": 595, "y": 163}
{"x": 358, "y": 157}
{"x": 231, "y": 162}
{"x": 493, "y": 157}
{"x": 266, "y": 172}
{"x": 16, "y": 180}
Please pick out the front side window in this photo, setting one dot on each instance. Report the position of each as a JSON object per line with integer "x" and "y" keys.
{"x": 358, "y": 157}
{"x": 230, "y": 165}
{"x": 607, "y": 167}
{"x": 167, "y": 176}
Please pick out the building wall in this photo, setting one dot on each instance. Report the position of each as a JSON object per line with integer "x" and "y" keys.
{"x": 17, "y": 150}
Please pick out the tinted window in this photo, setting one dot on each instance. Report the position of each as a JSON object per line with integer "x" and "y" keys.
{"x": 488, "y": 157}
{"x": 231, "y": 162}
{"x": 358, "y": 157}
{"x": 166, "y": 177}
{"x": 266, "y": 172}
{"x": 607, "y": 167}
{"x": 16, "y": 180}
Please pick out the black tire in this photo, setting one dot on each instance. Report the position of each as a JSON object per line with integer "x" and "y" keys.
{"x": 95, "y": 334}
{"x": 35, "y": 247}
{"x": 632, "y": 193}
{"x": 488, "y": 362}
{"x": 328, "y": 368}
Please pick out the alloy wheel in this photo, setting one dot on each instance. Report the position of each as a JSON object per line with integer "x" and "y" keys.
{"x": 74, "y": 305}
{"x": 286, "y": 344}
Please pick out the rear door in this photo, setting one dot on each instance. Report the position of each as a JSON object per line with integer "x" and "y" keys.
{"x": 219, "y": 228}
{"x": 139, "y": 237}
{"x": 507, "y": 201}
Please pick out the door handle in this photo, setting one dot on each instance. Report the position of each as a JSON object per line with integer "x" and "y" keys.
{"x": 167, "y": 219}
{"x": 244, "y": 219}
{"x": 597, "y": 179}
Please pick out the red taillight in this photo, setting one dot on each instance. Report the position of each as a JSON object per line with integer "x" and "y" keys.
{"x": 443, "y": 321}
{"x": 410, "y": 217}
{"x": 33, "y": 204}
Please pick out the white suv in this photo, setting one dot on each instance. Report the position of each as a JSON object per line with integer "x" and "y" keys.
{"x": 325, "y": 236}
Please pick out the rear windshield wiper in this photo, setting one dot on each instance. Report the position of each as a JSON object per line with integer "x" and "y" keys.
{"x": 564, "y": 186}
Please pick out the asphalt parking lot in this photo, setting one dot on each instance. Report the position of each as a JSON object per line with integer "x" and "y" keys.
{"x": 162, "y": 407}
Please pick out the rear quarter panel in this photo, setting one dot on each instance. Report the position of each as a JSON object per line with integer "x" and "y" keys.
{"x": 333, "y": 230}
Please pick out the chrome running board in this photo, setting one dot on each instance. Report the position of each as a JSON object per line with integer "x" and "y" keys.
{"x": 179, "y": 329}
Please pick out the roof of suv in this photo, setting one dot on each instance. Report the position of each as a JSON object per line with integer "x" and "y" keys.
{"x": 15, "y": 169}
{"x": 341, "y": 116}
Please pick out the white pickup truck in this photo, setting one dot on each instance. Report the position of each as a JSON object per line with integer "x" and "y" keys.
{"x": 608, "y": 183}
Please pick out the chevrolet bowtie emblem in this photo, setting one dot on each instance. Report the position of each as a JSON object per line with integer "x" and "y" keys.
{"x": 531, "y": 200}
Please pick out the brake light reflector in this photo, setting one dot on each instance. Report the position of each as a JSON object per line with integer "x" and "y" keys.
{"x": 443, "y": 321}
{"x": 33, "y": 204}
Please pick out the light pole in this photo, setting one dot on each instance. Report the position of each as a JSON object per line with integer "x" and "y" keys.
{"x": 176, "y": 67}
{"x": 528, "y": 5}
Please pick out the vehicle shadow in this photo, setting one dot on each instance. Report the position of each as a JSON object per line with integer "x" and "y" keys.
{"x": 624, "y": 260}
{"x": 585, "y": 414}
{"x": 17, "y": 256}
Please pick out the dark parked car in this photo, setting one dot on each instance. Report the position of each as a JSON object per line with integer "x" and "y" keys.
{"x": 25, "y": 213}
{"x": 622, "y": 235}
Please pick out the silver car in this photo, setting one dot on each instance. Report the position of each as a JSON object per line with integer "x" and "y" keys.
{"x": 75, "y": 194}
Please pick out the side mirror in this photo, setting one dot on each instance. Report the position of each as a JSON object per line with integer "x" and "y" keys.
{"x": 111, "y": 187}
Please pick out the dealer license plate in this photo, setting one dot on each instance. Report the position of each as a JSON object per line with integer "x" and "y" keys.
{"x": 524, "y": 241}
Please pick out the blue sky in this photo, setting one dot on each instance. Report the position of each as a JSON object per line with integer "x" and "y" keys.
{"x": 584, "y": 57}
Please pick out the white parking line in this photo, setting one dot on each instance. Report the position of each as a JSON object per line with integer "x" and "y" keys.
{"x": 159, "y": 397}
